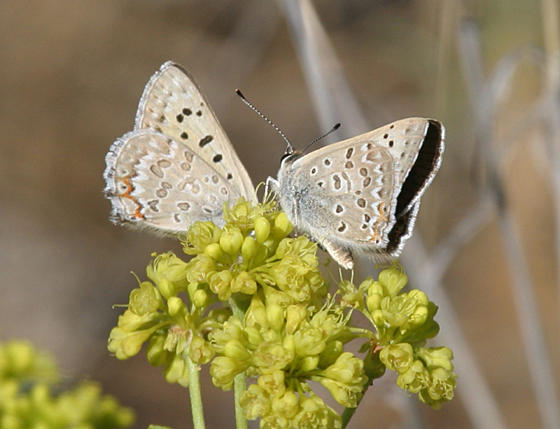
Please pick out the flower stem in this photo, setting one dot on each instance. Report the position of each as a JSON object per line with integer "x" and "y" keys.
{"x": 239, "y": 383}
{"x": 238, "y": 389}
{"x": 347, "y": 415}
{"x": 194, "y": 392}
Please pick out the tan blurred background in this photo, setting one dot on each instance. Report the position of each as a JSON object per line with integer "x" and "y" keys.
{"x": 71, "y": 74}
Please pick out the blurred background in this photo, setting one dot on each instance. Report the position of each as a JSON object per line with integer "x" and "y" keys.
{"x": 487, "y": 240}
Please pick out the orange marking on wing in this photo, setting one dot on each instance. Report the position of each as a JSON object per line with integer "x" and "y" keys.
{"x": 374, "y": 235}
{"x": 381, "y": 211}
{"x": 126, "y": 194}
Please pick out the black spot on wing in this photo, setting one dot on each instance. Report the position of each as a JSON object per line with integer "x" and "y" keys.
{"x": 205, "y": 140}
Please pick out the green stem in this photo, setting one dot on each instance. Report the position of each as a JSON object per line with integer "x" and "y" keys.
{"x": 347, "y": 415}
{"x": 238, "y": 389}
{"x": 349, "y": 412}
{"x": 239, "y": 383}
{"x": 196, "y": 398}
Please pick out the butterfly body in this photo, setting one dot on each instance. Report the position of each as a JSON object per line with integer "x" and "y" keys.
{"x": 357, "y": 196}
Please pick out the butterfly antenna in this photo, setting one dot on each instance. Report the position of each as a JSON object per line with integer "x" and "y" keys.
{"x": 332, "y": 130}
{"x": 290, "y": 148}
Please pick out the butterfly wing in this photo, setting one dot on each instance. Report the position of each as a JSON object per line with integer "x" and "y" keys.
{"x": 362, "y": 194}
{"x": 172, "y": 104}
{"x": 157, "y": 182}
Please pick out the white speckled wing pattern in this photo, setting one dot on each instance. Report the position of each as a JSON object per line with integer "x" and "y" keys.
{"x": 177, "y": 166}
{"x": 361, "y": 195}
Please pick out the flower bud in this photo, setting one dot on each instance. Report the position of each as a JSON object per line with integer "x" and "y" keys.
{"x": 244, "y": 283}
{"x": 223, "y": 369}
{"x": 200, "y": 235}
{"x": 125, "y": 344}
{"x": 200, "y": 298}
{"x": 144, "y": 299}
{"x": 415, "y": 378}
{"x": 442, "y": 385}
{"x": 249, "y": 248}
{"x": 393, "y": 280}
{"x": 295, "y": 314}
{"x": 175, "y": 306}
{"x": 397, "y": 357}
{"x": 199, "y": 268}
{"x": 286, "y": 406}
{"x": 255, "y": 402}
{"x": 262, "y": 229}
{"x": 177, "y": 372}
{"x": 254, "y": 336}
{"x": 347, "y": 369}
{"x": 200, "y": 350}
{"x": 220, "y": 284}
{"x": 272, "y": 383}
{"x": 235, "y": 350}
{"x": 214, "y": 251}
{"x": 271, "y": 356}
{"x": 308, "y": 364}
{"x": 256, "y": 314}
{"x": 282, "y": 225}
{"x": 314, "y": 413}
{"x": 155, "y": 352}
{"x": 345, "y": 394}
{"x": 436, "y": 357}
{"x": 309, "y": 341}
{"x": 373, "y": 302}
{"x": 275, "y": 316}
{"x": 231, "y": 241}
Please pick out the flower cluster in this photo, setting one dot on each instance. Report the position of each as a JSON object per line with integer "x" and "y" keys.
{"x": 252, "y": 301}
{"x": 284, "y": 346}
{"x": 403, "y": 322}
{"x": 27, "y": 381}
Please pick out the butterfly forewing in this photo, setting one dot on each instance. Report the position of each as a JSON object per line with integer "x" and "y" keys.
{"x": 156, "y": 182}
{"x": 173, "y": 105}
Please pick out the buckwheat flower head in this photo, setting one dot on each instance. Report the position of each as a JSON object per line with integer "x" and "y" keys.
{"x": 251, "y": 300}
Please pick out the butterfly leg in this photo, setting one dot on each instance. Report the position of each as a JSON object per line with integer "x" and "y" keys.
{"x": 270, "y": 185}
{"x": 341, "y": 255}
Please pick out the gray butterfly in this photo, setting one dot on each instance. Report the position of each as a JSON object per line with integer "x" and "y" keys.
{"x": 362, "y": 195}
{"x": 177, "y": 166}
{"x": 357, "y": 196}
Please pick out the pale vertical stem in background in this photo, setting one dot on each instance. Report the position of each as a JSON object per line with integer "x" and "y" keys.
{"x": 331, "y": 94}
{"x": 447, "y": 23}
{"x": 551, "y": 36}
{"x": 336, "y": 103}
{"x": 253, "y": 32}
{"x": 484, "y": 102}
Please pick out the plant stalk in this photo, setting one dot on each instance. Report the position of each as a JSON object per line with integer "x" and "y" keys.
{"x": 196, "y": 398}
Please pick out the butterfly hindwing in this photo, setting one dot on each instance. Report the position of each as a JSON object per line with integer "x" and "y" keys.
{"x": 156, "y": 182}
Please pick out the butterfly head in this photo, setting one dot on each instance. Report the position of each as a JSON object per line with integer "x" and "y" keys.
{"x": 290, "y": 155}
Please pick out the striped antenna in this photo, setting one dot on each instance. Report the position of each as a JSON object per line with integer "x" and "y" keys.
{"x": 290, "y": 148}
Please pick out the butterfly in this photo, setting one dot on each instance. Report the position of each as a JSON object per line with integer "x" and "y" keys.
{"x": 357, "y": 196}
